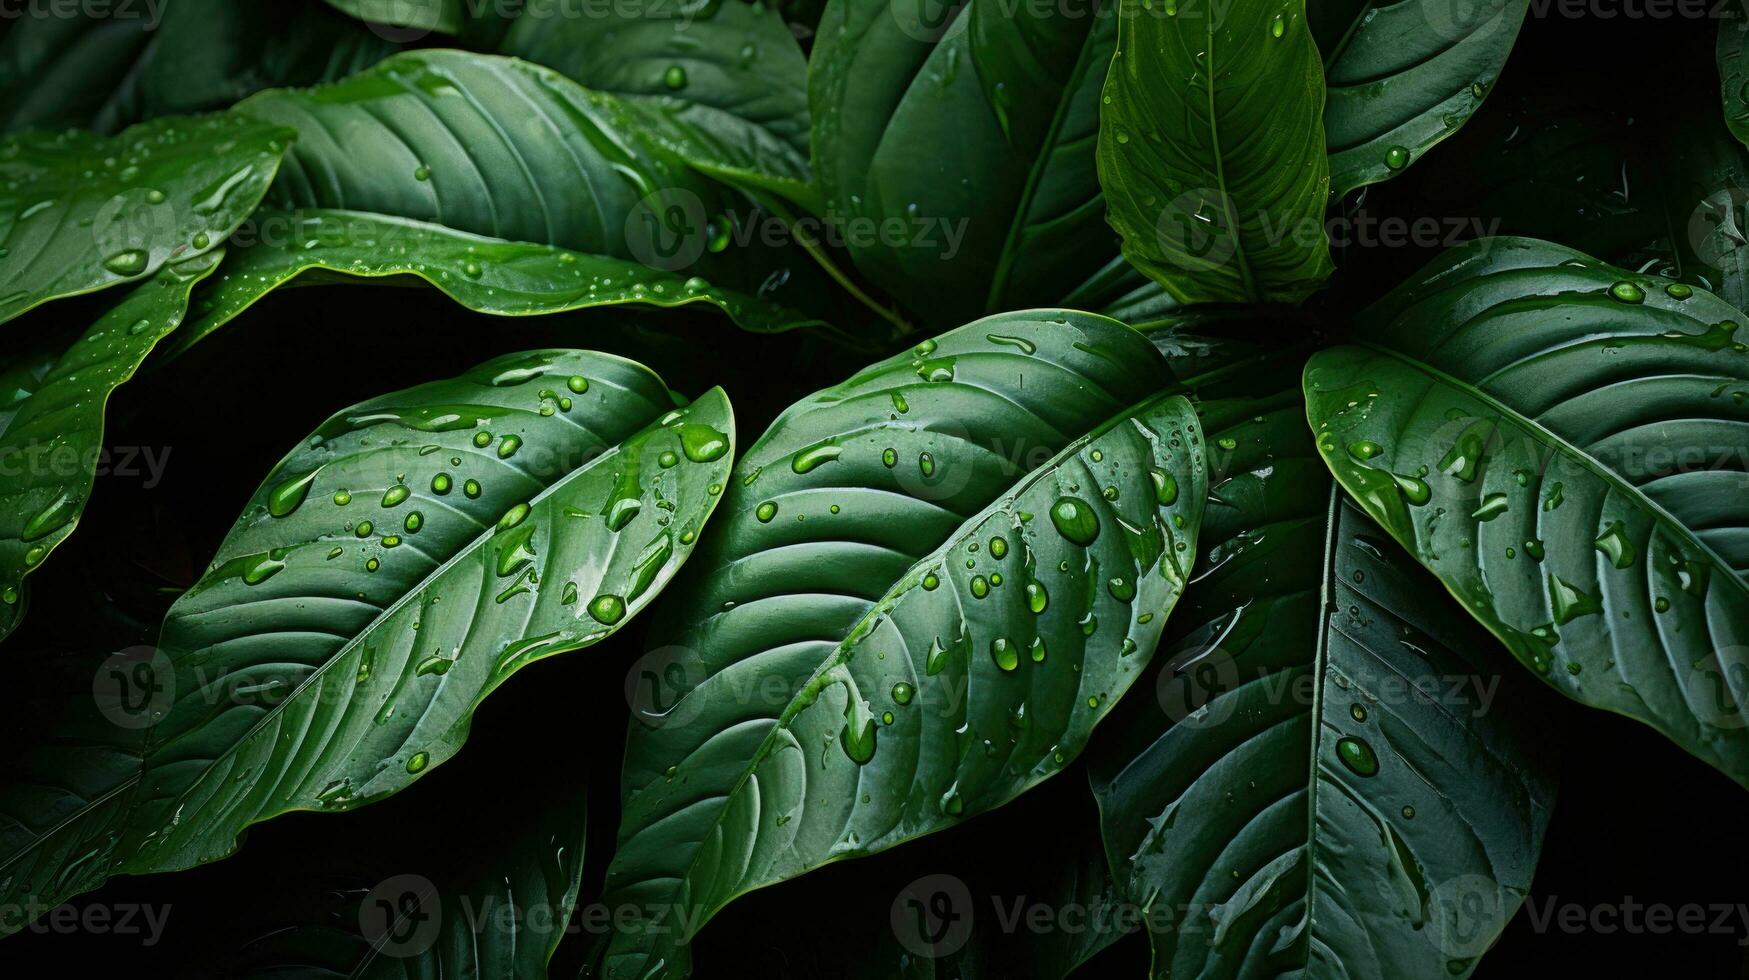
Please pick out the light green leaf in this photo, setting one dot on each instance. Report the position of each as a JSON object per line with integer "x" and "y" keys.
{"x": 1404, "y": 76}
{"x": 1332, "y": 776}
{"x": 79, "y": 213}
{"x": 51, "y": 434}
{"x": 901, "y": 622}
{"x": 486, "y": 275}
{"x": 1211, "y": 150}
{"x": 1561, "y": 443}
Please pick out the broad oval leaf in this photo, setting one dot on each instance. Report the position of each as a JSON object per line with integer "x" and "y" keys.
{"x": 487, "y": 275}
{"x": 1211, "y": 150}
{"x": 1403, "y": 77}
{"x": 901, "y": 622}
{"x": 1561, "y": 442}
{"x": 79, "y": 213}
{"x": 51, "y": 438}
{"x": 1330, "y": 777}
{"x": 971, "y": 126}
{"x": 388, "y": 575}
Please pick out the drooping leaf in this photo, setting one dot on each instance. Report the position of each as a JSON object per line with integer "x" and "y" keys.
{"x": 1330, "y": 776}
{"x": 417, "y": 16}
{"x": 1211, "y": 150}
{"x": 483, "y": 274}
{"x": 972, "y": 128}
{"x": 1560, "y": 442}
{"x": 1403, "y": 77}
{"x": 60, "y": 71}
{"x": 929, "y": 584}
{"x": 208, "y": 54}
{"x": 79, "y": 213}
{"x": 726, "y": 83}
{"x": 51, "y": 438}
{"x": 498, "y": 147}
{"x": 389, "y": 574}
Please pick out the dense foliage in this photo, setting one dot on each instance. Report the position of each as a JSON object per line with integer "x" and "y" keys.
{"x": 861, "y": 416}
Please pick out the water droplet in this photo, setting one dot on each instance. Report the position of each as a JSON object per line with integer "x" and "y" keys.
{"x": 1627, "y": 292}
{"x": 1397, "y": 157}
{"x": 1357, "y": 756}
{"x": 396, "y": 495}
{"x": 674, "y": 77}
{"x": 813, "y": 457}
{"x": 765, "y": 512}
{"x": 1006, "y": 655}
{"x": 130, "y": 262}
{"x": 701, "y": 443}
{"x": 607, "y": 609}
{"x": 1616, "y": 545}
{"x": 1678, "y": 291}
{"x": 52, "y": 517}
{"x": 1075, "y": 520}
{"x": 903, "y": 692}
{"x": 441, "y": 484}
{"x": 418, "y": 761}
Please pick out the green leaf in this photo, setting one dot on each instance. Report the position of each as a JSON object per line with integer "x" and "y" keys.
{"x": 1403, "y": 77}
{"x": 79, "y": 213}
{"x": 1331, "y": 776}
{"x": 208, "y": 54}
{"x": 501, "y": 148}
{"x": 972, "y": 127}
{"x": 392, "y": 571}
{"x": 58, "y": 71}
{"x": 417, "y": 16}
{"x": 51, "y": 437}
{"x": 882, "y": 551}
{"x": 1561, "y": 443}
{"x": 1211, "y": 150}
{"x": 726, "y": 81}
{"x": 486, "y": 275}
{"x": 1733, "y": 43}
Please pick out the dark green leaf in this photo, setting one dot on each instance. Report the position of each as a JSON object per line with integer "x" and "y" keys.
{"x": 1403, "y": 77}
{"x": 972, "y": 127}
{"x": 1561, "y": 443}
{"x": 728, "y": 81}
{"x": 859, "y": 653}
{"x": 418, "y": 17}
{"x": 1330, "y": 777}
{"x": 389, "y": 574}
{"x": 1211, "y": 150}
{"x": 1733, "y": 43}
{"x": 80, "y": 213}
{"x": 51, "y": 438}
{"x": 61, "y": 71}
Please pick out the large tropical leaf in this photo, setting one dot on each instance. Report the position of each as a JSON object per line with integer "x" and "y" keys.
{"x": 51, "y": 438}
{"x": 1404, "y": 76}
{"x": 389, "y": 574}
{"x": 1211, "y": 150}
{"x": 497, "y": 147}
{"x": 929, "y": 584}
{"x": 1561, "y": 442}
{"x": 1331, "y": 777}
{"x": 80, "y": 213}
{"x": 972, "y": 126}
{"x": 727, "y": 80}
{"x": 487, "y": 275}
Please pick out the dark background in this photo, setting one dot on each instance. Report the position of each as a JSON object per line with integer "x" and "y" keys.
{"x": 1637, "y": 820}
